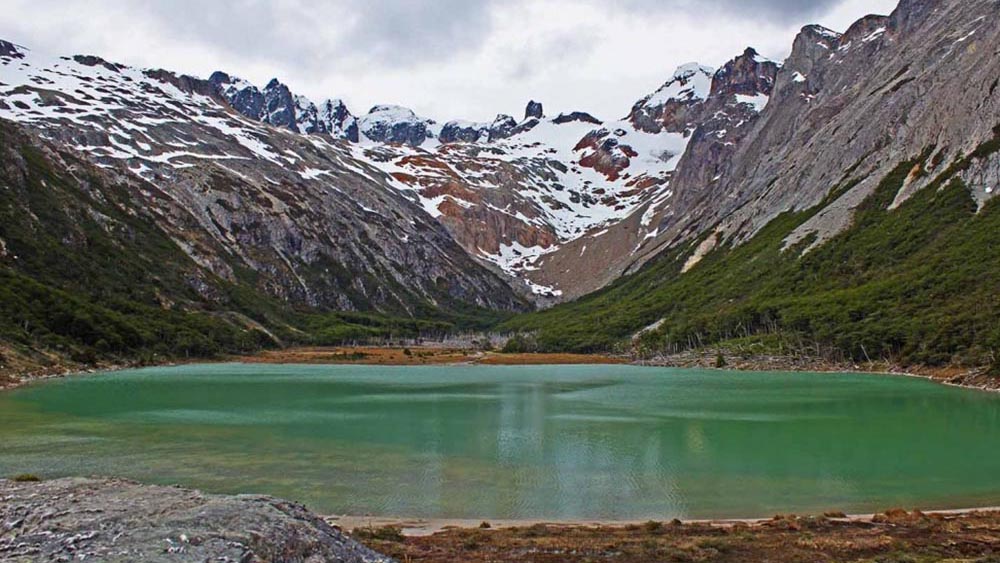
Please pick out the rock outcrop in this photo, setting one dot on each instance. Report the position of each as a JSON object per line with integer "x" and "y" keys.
{"x": 463, "y": 132}
{"x": 534, "y": 110}
{"x": 8, "y": 49}
{"x": 336, "y": 120}
{"x": 395, "y": 124}
{"x": 502, "y": 127}
{"x": 118, "y": 520}
{"x": 580, "y": 116}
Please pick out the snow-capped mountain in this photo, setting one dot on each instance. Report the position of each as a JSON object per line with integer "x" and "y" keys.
{"x": 560, "y": 202}
{"x": 509, "y": 192}
{"x": 316, "y": 225}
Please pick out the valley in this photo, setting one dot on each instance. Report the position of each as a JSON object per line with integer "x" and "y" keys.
{"x": 722, "y": 207}
{"x": 622, "y": 337}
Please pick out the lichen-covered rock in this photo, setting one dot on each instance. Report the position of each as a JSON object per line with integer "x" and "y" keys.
{"x": 114, "y": 520}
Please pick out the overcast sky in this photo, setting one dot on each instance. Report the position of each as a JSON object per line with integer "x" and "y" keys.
{"x": 446, "y": 59}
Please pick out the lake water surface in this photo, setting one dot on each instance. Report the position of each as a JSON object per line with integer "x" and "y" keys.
{"x": 560, "y": 442}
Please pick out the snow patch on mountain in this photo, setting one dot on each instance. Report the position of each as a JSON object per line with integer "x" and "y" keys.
{"x": 691, "y": 81}
{"x": 759, "y": 101}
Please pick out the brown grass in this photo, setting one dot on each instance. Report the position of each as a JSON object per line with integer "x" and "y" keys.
{"x": 417, "y": 355}
{"x": 892, "y": 537}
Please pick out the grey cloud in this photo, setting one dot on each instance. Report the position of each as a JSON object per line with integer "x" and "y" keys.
{"x": 400, "y": 32}
{"x": 380, "y": 33}
{"x": 376, "y": 50}
{"x": 306, "y": 34}
{"x": 387, "y": 32}
{"x": 782, "y": 11}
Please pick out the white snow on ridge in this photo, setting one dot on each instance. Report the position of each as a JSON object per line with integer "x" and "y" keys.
{"x": 691, "y": 81}
{"x": 874, "y": 35}
{"x": 41, "y": 89}
{"x": 560, "y": 193}
{"x": 515, "y": 258}
{"x": 573, "y": 201}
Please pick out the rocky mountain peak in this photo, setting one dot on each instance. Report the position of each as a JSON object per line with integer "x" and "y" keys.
{"x": 811, "y": 45}
{"x": 338, "y": 120}
{"x": 818, "y": 35}
{"x": 685, "y": 72}
{"x": 462, "y": 132}
{"x": 866, "y": 28}
{"x": 395, "y": 124}
{"x": 279, "y": 106}
{"x": 746, "y": 75}
{"x": 579, "y": 116}
{"x": 534, "y": 109}
{"x": 667, "y": 108}
{"x": 242, "y": 96}
{"x": 502, "y": 127}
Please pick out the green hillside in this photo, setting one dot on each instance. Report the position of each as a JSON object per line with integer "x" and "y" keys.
{"x": 86, "y": 274}
{"x": 918, "y": 284}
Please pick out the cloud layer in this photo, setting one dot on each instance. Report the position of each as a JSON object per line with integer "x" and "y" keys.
{"x": 445, "y": 58}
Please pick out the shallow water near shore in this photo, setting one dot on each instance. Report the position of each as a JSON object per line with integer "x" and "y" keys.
{"x": 606, "y": 442}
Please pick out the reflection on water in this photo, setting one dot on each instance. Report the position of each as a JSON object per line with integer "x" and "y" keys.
{"x": 518, "y": 442}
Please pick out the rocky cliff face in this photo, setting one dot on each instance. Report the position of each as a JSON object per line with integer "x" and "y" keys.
{"x": 849, "y": 108}
{"x": 508, "y": 192}
{"x": 316, "y": 225}
{"x": 709, "y": 112}
{"x": 839, "y": 114}
{"x": 565, "y": 205}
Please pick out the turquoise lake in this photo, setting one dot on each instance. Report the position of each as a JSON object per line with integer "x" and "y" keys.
{"x": 559, "y": 442}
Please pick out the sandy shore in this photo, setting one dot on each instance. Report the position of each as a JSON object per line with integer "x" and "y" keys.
{"x": 336, "y": 355}
{"x": 895, "y": 536}
{"x": 420, "y": 527}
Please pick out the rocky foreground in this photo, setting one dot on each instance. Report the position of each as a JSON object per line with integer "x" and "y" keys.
{"x": 118, "y": 520}
{"x": 115, "y": 520}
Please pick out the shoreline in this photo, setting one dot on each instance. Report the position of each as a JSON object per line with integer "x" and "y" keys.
{"x": 423, "y": 527}
{"x": 976, "y": 379}
{"x": 102, "y": 518}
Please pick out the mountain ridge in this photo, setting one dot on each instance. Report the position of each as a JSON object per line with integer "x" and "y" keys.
{"x": 395, "y": 214}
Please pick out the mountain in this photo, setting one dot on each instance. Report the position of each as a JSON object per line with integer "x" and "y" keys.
{"x": 707, "y": 113}
{"x": 508, "y": 192}
{"x": 854, "y": 217}
{"x": 130, "y": 191}
{"x": 314, "y": 209}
